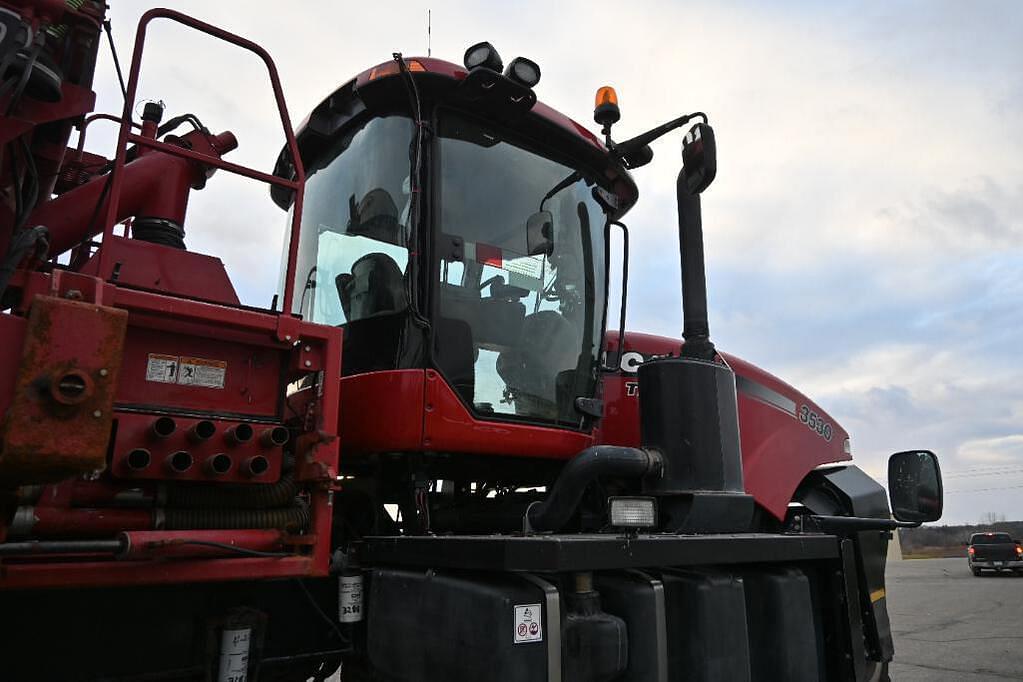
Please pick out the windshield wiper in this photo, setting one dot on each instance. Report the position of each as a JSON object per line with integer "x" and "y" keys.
{"x": 573, "y": 177}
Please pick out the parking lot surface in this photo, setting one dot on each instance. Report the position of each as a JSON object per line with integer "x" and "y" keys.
{"x": 950, "y": 626}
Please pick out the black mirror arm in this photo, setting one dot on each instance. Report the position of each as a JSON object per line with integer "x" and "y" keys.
{"x": 630, "y": 146}
{"x": 830, "y": 524}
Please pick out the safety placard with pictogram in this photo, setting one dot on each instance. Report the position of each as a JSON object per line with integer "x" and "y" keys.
{"x": 528, "y": 623}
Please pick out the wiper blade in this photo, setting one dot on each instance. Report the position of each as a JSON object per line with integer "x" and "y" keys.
{"x": 573, "y": 177}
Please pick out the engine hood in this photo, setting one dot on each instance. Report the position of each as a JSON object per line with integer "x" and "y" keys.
{"x": 784, "y": 434}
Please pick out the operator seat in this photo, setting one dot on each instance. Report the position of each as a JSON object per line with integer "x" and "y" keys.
{"x": 375, "y": 305}
{"x": 548, "y": 346}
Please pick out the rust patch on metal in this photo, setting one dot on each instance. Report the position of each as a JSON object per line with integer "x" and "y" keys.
{"x": 59, "y": 421}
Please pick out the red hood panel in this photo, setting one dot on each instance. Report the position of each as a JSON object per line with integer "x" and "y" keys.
{"x": 784, "y": 434}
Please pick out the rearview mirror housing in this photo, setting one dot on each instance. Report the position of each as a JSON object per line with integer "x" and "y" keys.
{"x": 914, "y": 486}
{"x": 699, "y": 158}
{"x": 540, "y": 234}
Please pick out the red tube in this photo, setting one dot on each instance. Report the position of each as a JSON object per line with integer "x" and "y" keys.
{"x": 154, "y": 185}
{"x": 57, "y": 522}
{"x": 105, "y": 494}
{"x": 182, "y": 544}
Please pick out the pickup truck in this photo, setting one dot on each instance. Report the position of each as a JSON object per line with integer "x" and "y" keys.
{"x": 996, "y": 551}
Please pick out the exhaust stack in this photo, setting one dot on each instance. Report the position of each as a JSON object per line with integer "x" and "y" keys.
{"x": 688, "y": 408}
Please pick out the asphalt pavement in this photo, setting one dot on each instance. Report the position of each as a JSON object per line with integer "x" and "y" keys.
{"x": 950, "y": 626}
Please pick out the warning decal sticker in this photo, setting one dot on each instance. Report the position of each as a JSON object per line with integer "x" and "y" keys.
{"x": 170, "y": 369}
{"x": 200, "y": 372}
{"x": 162, "y": 368}
{"x": 528, "y": 625}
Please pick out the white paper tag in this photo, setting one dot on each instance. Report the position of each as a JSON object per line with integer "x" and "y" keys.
{"x": 234, "y": 655}
{"x": 528, "y": 623}
{"x": 350, "y": 599}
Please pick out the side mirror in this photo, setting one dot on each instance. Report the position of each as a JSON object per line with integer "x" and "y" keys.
{"x": 540, "y": 234}
{"x": 699, "y": 158}
{"x": 914, "y": 486}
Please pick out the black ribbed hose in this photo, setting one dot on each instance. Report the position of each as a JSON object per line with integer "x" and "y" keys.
{"x": 600, "y": 460}
{"x": 271, "y": 496}
{"x": 292, "y": 518}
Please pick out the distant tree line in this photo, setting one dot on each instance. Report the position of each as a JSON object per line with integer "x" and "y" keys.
{"x": 925, "y": 537}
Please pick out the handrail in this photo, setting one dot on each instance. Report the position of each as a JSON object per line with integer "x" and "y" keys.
{"x": 124, "y": 135}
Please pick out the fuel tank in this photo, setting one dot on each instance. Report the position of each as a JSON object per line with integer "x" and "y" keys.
{"x": 783, "y": 434}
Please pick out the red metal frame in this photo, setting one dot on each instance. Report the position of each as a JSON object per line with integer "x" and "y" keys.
{"x": 433, "y": 417}
{"x": 309, "y": 348}
{"x": 317, "y": 456}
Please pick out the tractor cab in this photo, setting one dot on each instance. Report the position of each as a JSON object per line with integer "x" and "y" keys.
{"x": 452, "y": 223}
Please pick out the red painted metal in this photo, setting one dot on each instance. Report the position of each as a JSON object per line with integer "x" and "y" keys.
{"x": 251, "y": 371}
{"x": 12, "y": 333}
{"x": 153, "y": 185}
{"x": 316, "y": 466}
{"x": 442, "y": 67}
{"x": 34, "y": 574}
{"x": 59, "y": 421}
{"x": 382, "y": 412}
{"x": 212, "y": 160}
{"x": 135, "y": 432}
{"x": 179, "y": 544}
{"x": 101, "y": 492}
{"x": 179, "y": 304}
{"x": 61, "y": 522}
{"x": 778, "y": 450}
{"x": 448, "y": 426}
{"x": 416, "y": 410}
{"x": 164, "y": 269}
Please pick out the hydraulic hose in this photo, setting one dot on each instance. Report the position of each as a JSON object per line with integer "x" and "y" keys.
{"x": 272, "y": 496}
{"x": 600, "y": 460}
{"x": 291, "y": 518}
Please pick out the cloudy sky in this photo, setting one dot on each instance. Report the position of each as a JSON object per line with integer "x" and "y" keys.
{"x": 865, "y": 231}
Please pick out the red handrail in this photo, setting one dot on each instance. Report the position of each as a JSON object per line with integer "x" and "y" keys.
{"x": 124, "y": 135}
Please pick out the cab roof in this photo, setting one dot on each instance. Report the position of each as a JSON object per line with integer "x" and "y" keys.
{"x": 440, "y": 80}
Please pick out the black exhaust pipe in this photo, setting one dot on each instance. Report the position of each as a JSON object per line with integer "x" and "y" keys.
{"x": 600, "y": 460}
{"x": 688, "y": 407}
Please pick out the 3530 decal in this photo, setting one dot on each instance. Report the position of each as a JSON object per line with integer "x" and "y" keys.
{"x": 816, "y": 423}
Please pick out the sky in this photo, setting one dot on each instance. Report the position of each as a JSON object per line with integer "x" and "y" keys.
{"x": 864, "y": 235}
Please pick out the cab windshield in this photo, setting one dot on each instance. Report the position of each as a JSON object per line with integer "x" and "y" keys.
{"x": 521, "y": 274}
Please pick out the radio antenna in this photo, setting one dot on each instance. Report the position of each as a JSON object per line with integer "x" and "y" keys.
{"x": 428, "y": 32}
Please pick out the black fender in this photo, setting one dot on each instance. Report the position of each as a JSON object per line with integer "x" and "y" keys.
{"x": 846, "y": 490}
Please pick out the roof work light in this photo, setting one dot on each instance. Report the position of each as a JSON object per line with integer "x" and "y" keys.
{"x": 483, "y": 54}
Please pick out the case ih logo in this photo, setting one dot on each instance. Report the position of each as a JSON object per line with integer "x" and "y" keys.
{"x": 631, "y": 360}
{"x": 629, "y": 363}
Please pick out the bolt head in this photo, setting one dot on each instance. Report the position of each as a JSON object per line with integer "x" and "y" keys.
{"x": 97, "y": 414}
{"x": 308, "y": 363}
{"x": 103, "y": 372}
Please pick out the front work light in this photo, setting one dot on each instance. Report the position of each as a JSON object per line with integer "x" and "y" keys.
{"x": 483, "y": 54}
{"x": 633, "y": 512}
{"x": 523, "y": 71}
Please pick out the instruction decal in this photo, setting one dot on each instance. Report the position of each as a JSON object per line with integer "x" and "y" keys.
{"x": 528, "y": 623}
{"x": 162, "y": 368}
{"x": 186, "y": 371}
